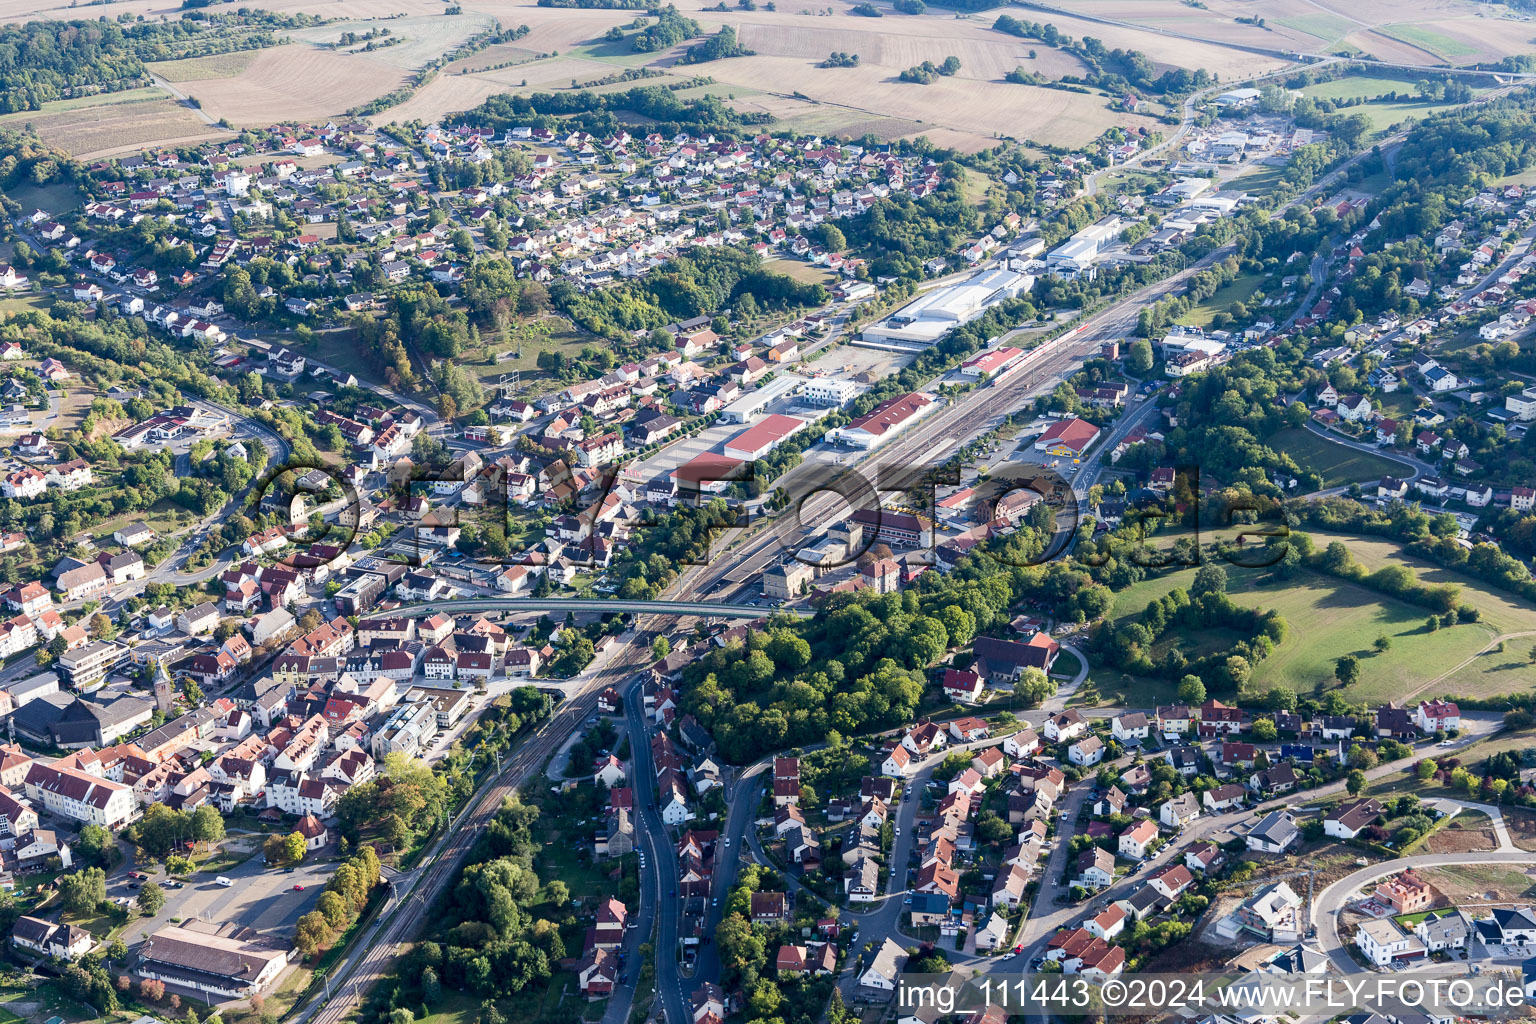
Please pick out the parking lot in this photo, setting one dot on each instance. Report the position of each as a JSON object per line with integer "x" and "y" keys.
{"x": 261, "y": 898}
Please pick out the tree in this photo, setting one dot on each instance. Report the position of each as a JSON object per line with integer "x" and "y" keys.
{"x": 1033, "y": 687}
{"x": 280, "y": 850}
{"x": 558, "y": 892}
{"x": 312, "y": 933}
{"x": 1427, "y": 769}
{"x": 1355, "y": 782}
{"x": 1264, "y": 730}
{"x": 1347, "y": 670}
{"x": 1138, "y": 358}
{"x": 1209, "y": 579}
{"x": 95, "y": 845}
{"x": 1382, "y": 643}
{"x": 150, "y": 899}
{"x": 1361, "y": 757}
{"x": 207, "y": 824}
{"x": 80, "y": 892}
{"x": 660, "y": 648}
{"x": 1191, "y": 690}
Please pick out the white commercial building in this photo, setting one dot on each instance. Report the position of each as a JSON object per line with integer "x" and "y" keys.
{"x": 829, "y": 391}
{"x": 751, "y": 405}
{"x": 1082, "y": 250}
{"x": 934, "y": 314}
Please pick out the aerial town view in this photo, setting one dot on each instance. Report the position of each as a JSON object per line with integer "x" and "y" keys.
{"x": 690, "y": 512}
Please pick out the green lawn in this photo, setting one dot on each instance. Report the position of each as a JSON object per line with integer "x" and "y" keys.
{"x": 1327, "y": 618}
{"x": 1383, "y": 116}
{"x": 1260, "y": 181}
{"x": 1337, "y": 464}
{"x": 57, "y": 198}
{"x": 26, "y": 302}
{"x": 799, "y": 270}
{"x": 1240, "y": 290}
{"x": 524, "y": 342}
{"x": 1357, "y": 87}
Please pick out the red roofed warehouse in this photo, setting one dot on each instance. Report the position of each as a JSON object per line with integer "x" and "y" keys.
{"x": 762, "y": 438}
{"x": 1065, "y": 437}
{"x": 885, "y": 421}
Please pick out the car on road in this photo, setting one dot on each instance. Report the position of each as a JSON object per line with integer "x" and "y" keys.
{"x": 727, "y": 840}
{"x": 298, "y": 888}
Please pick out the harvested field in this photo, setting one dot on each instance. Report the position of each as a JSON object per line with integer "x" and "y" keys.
{"x": 294, "y": 82}
{"x": 982, "y": 108}
{"x": 1474, "y": 883}
{"x": 191, "y": 69}
{"x": 554, "y": 29}
{"x": 120, "y": 123}
{"x": 1469, "y": 40}
{"x": 898, "y": 43}
{"x": 449, "y": 93}
{"x": 490, "y": 57}
{"x": 1452, "y": 30}
{"x": 423, "y": 38}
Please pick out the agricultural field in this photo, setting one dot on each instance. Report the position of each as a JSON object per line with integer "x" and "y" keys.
{"x": 294, "y": 82}
{"x": 1442, "y": 31}
{"x": 1338, "y": 465}
{"x": 115, "y": 123}
{"x": 193, "y": 69}
{"x": 421, "y": 39}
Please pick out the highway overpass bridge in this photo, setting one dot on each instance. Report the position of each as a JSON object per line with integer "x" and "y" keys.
{"x": 704, "y": 609}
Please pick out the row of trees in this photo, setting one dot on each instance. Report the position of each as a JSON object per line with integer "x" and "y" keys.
{"x": 346, "y": 894}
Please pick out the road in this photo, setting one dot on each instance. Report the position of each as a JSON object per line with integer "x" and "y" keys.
{"x": 413, "y": 893}
{"x": 657, "y": 878}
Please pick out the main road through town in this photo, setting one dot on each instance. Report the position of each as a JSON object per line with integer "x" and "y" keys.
{"x": 931, "y": 440}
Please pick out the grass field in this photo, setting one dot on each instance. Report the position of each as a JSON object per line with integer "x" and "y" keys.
{"x": 1337, "y": 464}
{"x": 1240, "y": 290}
{"x": 799, "y": 270}
{"x": 1260, "y": 181}
{"x": 1329, "y": 618}
{"x": 1383, "y": 116}
{"x": 57, "y": 198}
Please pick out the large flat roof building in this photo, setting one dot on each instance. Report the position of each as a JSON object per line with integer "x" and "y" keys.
{"x": 214, "y": 966}
{"x": 934, "y": 314}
